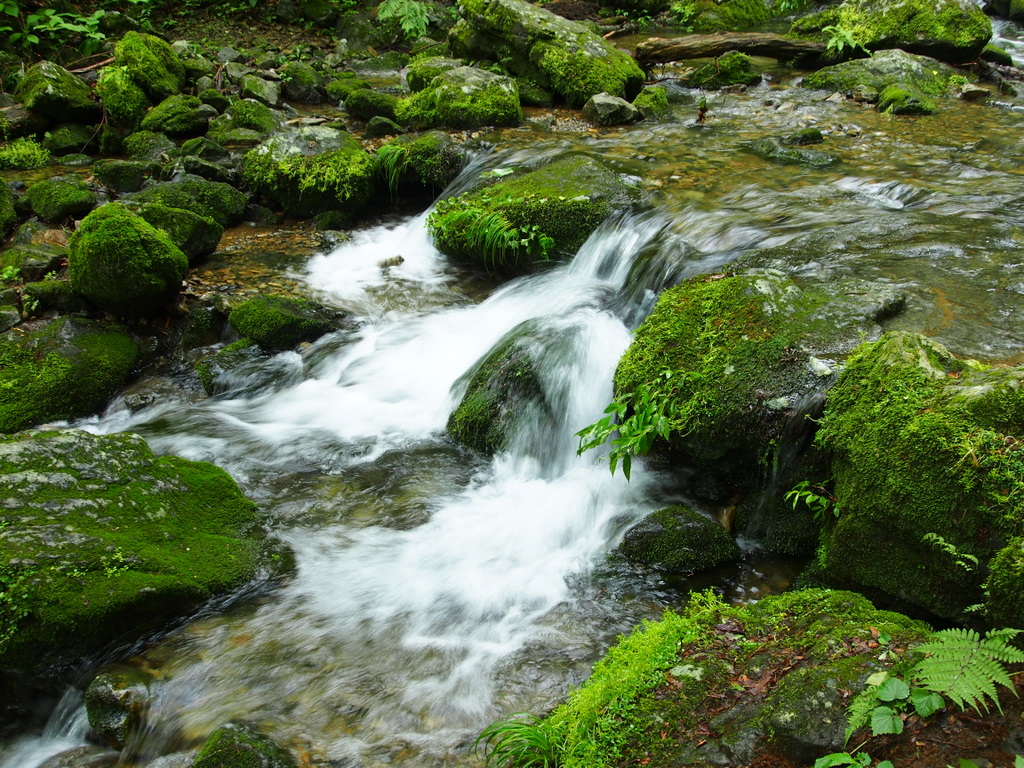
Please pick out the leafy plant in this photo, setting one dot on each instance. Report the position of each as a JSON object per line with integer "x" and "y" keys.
{"x": 15, "y": 591}
{"x": 9, "y": 273}
{"x": 959, "y": 664}
{"x": 845, "y": 758}
{"x": 819, "y": 503}
{"x": 962, "y": 560}
{"x": 410, "y": 14}
{"x": 519, "y": 742}
{"x": 839, "y": 40}
{"x": 640, "y": 418}
{"x": 23, "y": 154}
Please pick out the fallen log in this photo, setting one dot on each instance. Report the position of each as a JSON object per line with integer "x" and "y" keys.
{"x": 658, "y": 50}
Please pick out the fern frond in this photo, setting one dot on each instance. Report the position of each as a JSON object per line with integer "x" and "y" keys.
{"x": 859, "y": 712}
{"x": 967, "y": 668}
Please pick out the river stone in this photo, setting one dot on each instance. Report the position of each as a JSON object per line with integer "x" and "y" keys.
{"x": 103, "y": 541}
{"x": 178, "y": 116}
{"x": 54, "y": 294}
{"x": 204, "y": 169}
{"x": 264, "y": 91}
{"x": 562, "y": 56}
{"x": 51, "y": 90}
{"x": 778, "y": 151}
{"x": 34, "y": 262}
{"x": 679, "y": 539}
{"x": 955, "y": 31}
{"x": 429, "y": 163}
{"x": 246, "y": 122}
{"x": 83, "y": 757}
{"x": 217, "y": 200}
{"x": 279, "y": 323}
{"x": 60, "y": 198}
{"x": 464, "y": 97}
{"x": 241, "y": 746}
{"x": 115, "y": 702}
{"x": 923, "y": 445}
{"x": 125, "y": 176}
{"x": 378, "y": 127}
{"x": 302, "y": 83}
{"x": 9, "y": 317}
{"x": 605, "y": 109}
{"x": 70, "y": 139}
{"x": 422, "y": 72}
{"x": 869, "y": 77}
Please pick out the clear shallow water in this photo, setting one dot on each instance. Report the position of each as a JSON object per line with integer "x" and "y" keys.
{"x": 436, "y": 590}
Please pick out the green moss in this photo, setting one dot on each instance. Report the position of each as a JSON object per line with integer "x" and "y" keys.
{"x": 8, "y": 217}
{"x": 246, "y": 121}
{"x": 197, "y": 236}
{"x": 215, "y": 99}
{"x": 905, "y": 100}
{"x": 23, "y": 154}
{"x": 125, "y": 175}
{"x": 706, "y": 16}
{"x": 499, "y": 388}
{"x": 147, "y": 145}
{"x": 679, "y": 539}
{"x": 423, "y": 71}
{"x": 236, "y": 746}
{"x": 1003, "y": 606}
{"x": 542, "y": 214}
{"x": 426, "y": 163}
{"x": 152, "y": 64}
{"x": 54, "y": 294}
{"x": 178, "y": 115}
{"x": 912, "y": 455}
{"x": 652, "y": 102}
{"x": 576, "y": 75}
{"x": 65, "y": 370}
{"x": 53, "y": 91}
{"x": 364, "y": 103}
{"x": 732, "y": 68}
{"x": 305, "y": 185}
{"x": 60, "y": 198}
{"x": 70, "y": 138}
{"x": 280, "y": 323}
{"x": 463, "y": 98}
{"x": 649, "y": 697}
{"x": 213, "y": 199}
{"x": 339, "y": 90}
{"x": 302, "y": 83}
{"x": 141, "y": 540}
{"x": 123, "y": 264}
{"x": 870, "y": 76}
{"x": 124, "y": 100}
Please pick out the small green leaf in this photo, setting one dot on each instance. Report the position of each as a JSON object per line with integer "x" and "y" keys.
{"x": 884, "y": 720}
{"x": 926, "y": 703}
{"x": 836, "y": 758}
{"x": 893, "y": 689}
{"x": 878, "y": 678}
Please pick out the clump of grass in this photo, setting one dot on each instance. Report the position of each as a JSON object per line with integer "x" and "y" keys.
{"x": 23, "y": 154}
{"x": 519, "y": 742}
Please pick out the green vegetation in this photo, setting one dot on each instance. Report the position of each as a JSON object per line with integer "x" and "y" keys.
{"x": 59, "y": 198}
{"x": 23, "y": 154}
{"x": 279, "y": 323}
{"x": 410, "y": 14}
{"x": 464, "y": 97}
{"x": 152, "y": 64}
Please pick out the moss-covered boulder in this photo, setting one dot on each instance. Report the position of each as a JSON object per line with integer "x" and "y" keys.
{"x": 259, "y": 89}
{"x": 926, "y": 455}
{"x": 339, "y": 90}
{"x": 70, "y": 139}
{"x": 123, "y": 98}
{"x": 310, "y": 171}
{"x": 51, "y": 90}
{"x": 65, "y": 369}
{"x": 246, "y": 122}
{"x": 899, "y": 99}
{"x": 123, "y": 176}
{"x": 499, "y": 388}
{"x": 726, "y": 685}
{"x": 178, "y": 116}
{"x": 707, "y": 16}
{"x": 152, "y": 64}
{"x": 302, "y": 83}
{"x": 652, "y": 102}
{"x": 44, "y": 295}
{"x": 955, "y": 31}
{"x": 421, "y": 165}
{"x": 123, "y": 264}
{"x": 364, "y": 103}
{"x": 60, "y": 198}
{"x": 521, "y": 220}
{"x": 197, "y": 236}
{"x": 280, "y": 323}
{"x": 867, "y": 78}
{"x": 213, "y": 199}
{"x": 729, "y": 69}
{"x": 150, "y": 146}
{"x": 128, "y": 542}
{"x": 562, "y": 56}
{"x": 465, "y": 97}
{"x": 241, "y": 746}
{"x": 422, "y": 72}
{"x": 679, "y": 539}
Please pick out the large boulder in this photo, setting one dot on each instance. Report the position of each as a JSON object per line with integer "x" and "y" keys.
{"x": 123, "y": 264}
{"x": 60, "y": 198}
{"x": 51, "y": 90}
{"x": 178, "y": 116}
{"x": 955, "y": 31}
{"x": 123, "y": 98}
{"x": 420, "y": 165}
{"x": 867, "y": 78}
{"x": 464, "y": 97}
{"x": 559, "y": 55}
{"x": 65, "y": 369}
{"x": 926, "y": 453}
{"x": 311, "y": 170}
{"x": 422, "y": 72}
{"x": 197, "y": 236}
{"x": 128, "y": 542}
{"x": 761, "y": 684}
{"x": 213, "y": 199}
{"x": 521, "y": 220}
{"x": 152, "y": 64}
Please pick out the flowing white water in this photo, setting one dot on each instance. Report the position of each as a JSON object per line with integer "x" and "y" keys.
{"x": 386, "y": 637}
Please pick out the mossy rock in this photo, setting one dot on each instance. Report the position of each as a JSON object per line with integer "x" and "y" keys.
{"x": 246, "y": 122}
{"x": 379, "y": 127}
{"x": 661, "y": 698}
{"x": 70, "y": 138}
{"x": 213, "y": 199}
{"x": 60, "y": 198}
{"x": 279, "y": 323}
{"x": 499, "y": 388}
{"x": 561, "y": 56}
{"x": 54, "y": 294}
{"x": 152, "y": 64}
{"x": 221, "y": 371}
{"x": 540, "y": 215}
{"x": 869, "y": 77}
{"x": 312, "y": 170}
{"x": 532, "y": 95}
{"x": 33, "y": 262}
{"x": 948, "y": 30}
{"x": 123, "y": 176}
{"x": 464, "y": 97}
{"x": 729, "y": 69}
{"x": 51, "y": 90}
{"x": 241, "y": 746}
{"x": 205, "y": 149}
{"x": 679, "y": 539}
{"x": 66, "y": 369}
{"x": 264, "y": 91}
{"x": 123, "y": 98}
{"x": 115, "y": 703}
{"x": 927, "y": 456}
{"x": 178, "y": 116}
{"x": 8, "y": 216}
{"x": 420, "y": 165}
{"x": 197, "y": 236}
{"x": 423, "y": 71}
{"x": 302, "y": 83}
{"x": 123, "y": 264}
{"x": 129, "y": 542}
{"x": 652, "y": 102}
{"x": 899, "y": 99}
{"x": 340, "y": 89}
{"x": 1003, "y": 606}
{"x": 607, "y": 110}
{"x": 363, "y": 103}
{"x": 778, "y": 151}
{"x": 214, "y": 98}
{"x": 149, "y": 146}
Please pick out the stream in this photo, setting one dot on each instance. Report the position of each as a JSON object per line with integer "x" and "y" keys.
{"x": 436, "y": 590}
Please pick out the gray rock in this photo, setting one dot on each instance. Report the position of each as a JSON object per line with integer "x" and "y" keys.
{"x": 9, "y": 317}
{"x": 83, "y": 757}
{"x": 115, "y": 702}
{"x": 227, "y": 54}
{"x": 264, "y": 91}
{"x": 605, "y": 109}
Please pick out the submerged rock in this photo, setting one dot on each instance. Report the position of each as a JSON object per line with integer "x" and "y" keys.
{"x": 562, "y": 56}
{"x": 778, "y": 150}
{"x": 128, "y": 542}
{"x": 240, "y": 746}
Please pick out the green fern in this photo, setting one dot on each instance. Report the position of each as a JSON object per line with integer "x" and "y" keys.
{"x": 411, "y": 16}
{"x": 965, "y": 667}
